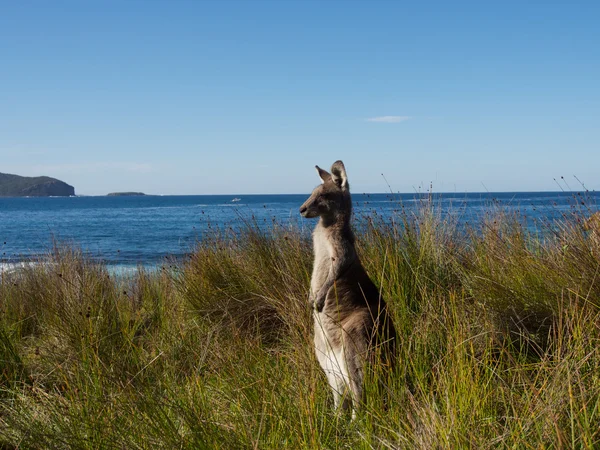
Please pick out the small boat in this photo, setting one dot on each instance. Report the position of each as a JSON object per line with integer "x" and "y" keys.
{"x": 236, "y": 199}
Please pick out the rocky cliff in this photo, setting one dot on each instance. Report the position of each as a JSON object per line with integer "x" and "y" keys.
{"x": 18, "y": 186}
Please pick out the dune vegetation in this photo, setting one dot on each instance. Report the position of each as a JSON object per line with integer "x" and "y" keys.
{"x": 498, "y": 327}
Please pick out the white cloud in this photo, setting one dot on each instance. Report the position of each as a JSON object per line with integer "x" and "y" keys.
{"x": 388, "y": 119}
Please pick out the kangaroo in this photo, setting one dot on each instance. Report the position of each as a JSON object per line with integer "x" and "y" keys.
{"x": 350, "y": 317}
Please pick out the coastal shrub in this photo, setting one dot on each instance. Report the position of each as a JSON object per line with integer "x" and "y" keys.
{"x": 498, "y": 331}
{"x": 255, "y": 282}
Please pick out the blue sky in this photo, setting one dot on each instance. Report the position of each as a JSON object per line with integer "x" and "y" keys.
{"x": 234, "y": 97}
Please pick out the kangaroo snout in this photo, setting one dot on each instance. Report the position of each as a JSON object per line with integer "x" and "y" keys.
{"x": 309, "y": 209}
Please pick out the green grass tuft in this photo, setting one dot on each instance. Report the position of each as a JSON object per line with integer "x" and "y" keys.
{"x": 498, "y": 343}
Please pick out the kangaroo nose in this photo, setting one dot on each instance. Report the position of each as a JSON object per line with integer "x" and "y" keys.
{"x": 303, "y": 209}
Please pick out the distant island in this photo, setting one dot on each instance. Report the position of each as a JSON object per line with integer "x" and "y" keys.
{"x": 125, "y": 194}
{"x": 18, "y": 186}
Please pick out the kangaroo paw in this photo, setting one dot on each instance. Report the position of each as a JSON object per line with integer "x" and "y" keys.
{"x": 320, "y": 304}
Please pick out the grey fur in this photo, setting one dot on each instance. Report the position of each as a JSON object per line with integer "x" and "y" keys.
{"x": 350, "y": 316}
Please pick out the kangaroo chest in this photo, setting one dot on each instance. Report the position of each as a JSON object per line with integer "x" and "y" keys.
{"x": 323, "y": 250}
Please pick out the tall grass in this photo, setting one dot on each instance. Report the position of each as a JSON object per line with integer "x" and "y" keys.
{"x": 498, "y": 330}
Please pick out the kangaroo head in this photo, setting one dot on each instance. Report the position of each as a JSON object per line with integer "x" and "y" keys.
{"x": 332, "y": 196}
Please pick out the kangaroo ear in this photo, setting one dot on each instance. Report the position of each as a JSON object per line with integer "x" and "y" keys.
{"x": 325, "y": 176}
{"x": 338, "y": 174}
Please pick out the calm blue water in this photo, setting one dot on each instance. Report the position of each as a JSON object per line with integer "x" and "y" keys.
{"x": 127, "y": 231}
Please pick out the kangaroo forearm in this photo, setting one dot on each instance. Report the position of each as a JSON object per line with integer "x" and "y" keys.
{"x": 321, "y": 295}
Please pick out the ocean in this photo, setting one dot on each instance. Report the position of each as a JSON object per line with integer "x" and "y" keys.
{"x": 131, "y": 231}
